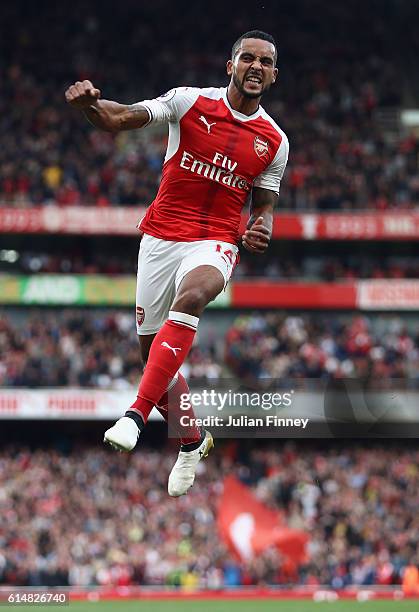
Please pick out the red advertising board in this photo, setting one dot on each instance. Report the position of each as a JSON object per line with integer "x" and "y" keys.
{"x": 262, "y": 294}
{"x": 348, "y": 226}
{"x": 390, "y": 294}
{"x": 71, "y": 220}
{"x": 123, "y": 220}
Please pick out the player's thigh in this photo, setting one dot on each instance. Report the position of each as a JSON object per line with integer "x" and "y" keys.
{"x": 158, "y": 261}
{"x": 206, "y": 267}
{"x": 197, "y": 288}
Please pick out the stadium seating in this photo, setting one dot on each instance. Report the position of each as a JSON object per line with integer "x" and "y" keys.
{"x": 357, "y": 504}
{"x": 329, "y": 98}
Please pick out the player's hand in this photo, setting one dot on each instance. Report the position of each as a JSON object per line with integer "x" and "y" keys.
{"x": 256, "y": 238}
{"x": 82, "y": 94}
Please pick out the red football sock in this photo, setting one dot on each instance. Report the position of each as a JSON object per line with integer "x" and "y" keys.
{"x": 169, "y": 408}
{"x": 168, "y": 351}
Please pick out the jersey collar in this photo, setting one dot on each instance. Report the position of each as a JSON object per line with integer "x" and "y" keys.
{"x": 237, "y": 114}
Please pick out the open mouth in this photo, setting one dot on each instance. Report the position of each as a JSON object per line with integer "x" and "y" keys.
{"x": 254, "y": 79}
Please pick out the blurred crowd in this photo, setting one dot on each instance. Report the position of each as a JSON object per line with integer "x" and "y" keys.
{"x": 325, "y": 267}
{"x": 285, "y": 264}
{"x": 281, "y": 346}
{"x": 81, "y": 349}
{"x": 84, "y": 348}
{"x": 74, "y": 261}
{"x": 94, "y": 517}
{"x": 331, "y": 90}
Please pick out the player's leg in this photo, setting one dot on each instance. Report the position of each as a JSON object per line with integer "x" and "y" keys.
{"x": 168, "y": 351}
{"x": 170, "y": 402}
{"x": 191, "y": 437}
{"x": 202, "y": 275}
{"x": 222, "y": 258}
{"x": 125, "y": 434}
{"x": 175, "y": 336}
{"x": 156, "y": 275}
{"x": 174, "y": 340}
{"x": 172, "y": 407}
{"x": 197, "y": 289}
{"x": 145, "y": 343}
{"x": 158, "y": 262}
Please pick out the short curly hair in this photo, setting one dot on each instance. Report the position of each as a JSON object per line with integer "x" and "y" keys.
{"x": 254, "y": 34}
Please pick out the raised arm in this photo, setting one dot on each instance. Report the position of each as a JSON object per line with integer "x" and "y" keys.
{"x": 259, "y": 227}
{"x": 105, "y": 114}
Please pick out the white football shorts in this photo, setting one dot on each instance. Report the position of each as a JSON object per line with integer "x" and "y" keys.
{"x": 162, "y": 265}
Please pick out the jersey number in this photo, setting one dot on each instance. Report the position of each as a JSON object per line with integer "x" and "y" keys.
{"x": 229, "y": 253}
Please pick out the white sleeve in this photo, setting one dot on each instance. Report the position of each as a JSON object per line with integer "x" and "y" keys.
{"x": 271, "y": 177}
{"x": 171, "y": 106}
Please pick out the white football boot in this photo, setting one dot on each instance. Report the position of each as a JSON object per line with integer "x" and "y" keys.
{"x": 123, "y": 435}
{"x": 182, "y": 475}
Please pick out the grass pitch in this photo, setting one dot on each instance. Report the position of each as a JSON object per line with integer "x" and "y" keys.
{"x": 235, "y": 606}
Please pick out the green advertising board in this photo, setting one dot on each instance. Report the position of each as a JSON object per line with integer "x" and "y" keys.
{"x": 76, "y": 290}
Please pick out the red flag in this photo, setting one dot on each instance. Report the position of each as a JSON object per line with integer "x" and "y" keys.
{"x": 248, "y": 526}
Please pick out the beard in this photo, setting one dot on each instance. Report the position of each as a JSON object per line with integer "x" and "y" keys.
{"x": 246, "y": 94}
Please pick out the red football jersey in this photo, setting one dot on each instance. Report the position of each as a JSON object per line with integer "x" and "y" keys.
{"x": 215, "y": 155}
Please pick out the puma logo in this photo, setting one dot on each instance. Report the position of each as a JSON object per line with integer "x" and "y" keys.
{"x": 209, "y": 125}
{"x": 172, "y": 348}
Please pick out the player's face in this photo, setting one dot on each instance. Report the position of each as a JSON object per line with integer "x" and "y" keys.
{"x": 253, "y": 67}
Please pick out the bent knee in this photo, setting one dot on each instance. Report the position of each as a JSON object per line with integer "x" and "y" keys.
{"x": 192, "y": 300}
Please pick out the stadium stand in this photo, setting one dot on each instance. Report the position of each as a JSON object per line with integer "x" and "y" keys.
{"x": 81, "y": 349}
{"x": 320, "y": 267}
{"x": 63, "y": 526}
{"x": 69, "y": 199}
{"x": 328, "y": 100}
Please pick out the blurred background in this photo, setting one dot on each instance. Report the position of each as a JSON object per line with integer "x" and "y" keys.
{"x": 337, "y": 295}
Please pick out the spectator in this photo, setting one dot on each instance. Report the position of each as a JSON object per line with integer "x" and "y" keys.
{"x": 81, "y": 349}
{"x": 341, "y": 155}
{"x": 62, "y": 525}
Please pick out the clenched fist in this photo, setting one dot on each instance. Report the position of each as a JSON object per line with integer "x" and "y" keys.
{"x": 82, "y": 94}
{"x": 256, "y": 238}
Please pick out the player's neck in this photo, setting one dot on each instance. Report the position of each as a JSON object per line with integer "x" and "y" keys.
{"x": 240, "y": 103}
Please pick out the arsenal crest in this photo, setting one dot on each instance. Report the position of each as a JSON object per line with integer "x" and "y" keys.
{"x": 261, "y": 147}
{"x": 140, "y": 315}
